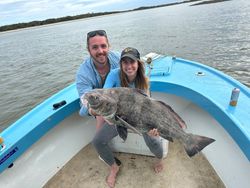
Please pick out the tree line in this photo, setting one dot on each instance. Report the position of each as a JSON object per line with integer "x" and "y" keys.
{"x": 88, "y": 15}
{"x": 51, "y": 21}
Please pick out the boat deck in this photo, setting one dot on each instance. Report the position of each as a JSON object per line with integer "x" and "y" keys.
{"x": 86, "y": 170}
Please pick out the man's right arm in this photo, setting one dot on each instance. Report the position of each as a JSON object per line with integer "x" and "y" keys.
{"x": 83, "y": 85}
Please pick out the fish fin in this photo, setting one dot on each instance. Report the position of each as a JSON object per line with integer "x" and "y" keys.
{"x": 180, "y": 121}
{"x": 122, "y": 132}
{"x": 127, "y": 125}
{"x": 170, "y": 139}
{"x": 140, "y": 91}
{"x": 196, "y": 143}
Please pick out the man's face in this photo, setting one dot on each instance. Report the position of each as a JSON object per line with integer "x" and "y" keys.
{"x": 98, "y": 48}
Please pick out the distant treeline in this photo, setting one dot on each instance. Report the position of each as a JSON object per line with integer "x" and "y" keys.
{"x": 209, "y": 2}
{"x": 88, "y": 15}
{"x": 51, "y": 21}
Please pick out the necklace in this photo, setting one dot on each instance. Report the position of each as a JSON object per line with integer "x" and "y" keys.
{"x": 103, "y": 75}
{"x": 103, "y": 71}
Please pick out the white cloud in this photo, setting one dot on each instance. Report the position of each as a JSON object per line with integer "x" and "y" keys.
{"x": 9, "y": 1}
{"x": 46, "y": 5}
{"x": 16, "y": 11}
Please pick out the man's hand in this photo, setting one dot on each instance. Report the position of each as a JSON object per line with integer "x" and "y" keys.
{"x": 92, "y": 112}
{"x": 153, "y": 132}
{"x": 99, "y": 122}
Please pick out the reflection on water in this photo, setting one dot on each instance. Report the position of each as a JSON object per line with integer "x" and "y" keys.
{"x": 37, "y": 62}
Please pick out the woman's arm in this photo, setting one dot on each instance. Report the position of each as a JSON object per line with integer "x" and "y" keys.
{"x": 113, "y": 79}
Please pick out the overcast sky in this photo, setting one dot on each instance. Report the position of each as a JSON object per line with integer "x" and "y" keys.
{"x": 19, "y": 11}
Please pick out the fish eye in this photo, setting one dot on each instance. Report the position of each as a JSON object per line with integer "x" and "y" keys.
{"x": 96, "y": 97}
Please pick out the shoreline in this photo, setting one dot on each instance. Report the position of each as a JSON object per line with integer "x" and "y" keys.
{"x": 50, "y": 24}
{"x": 50, "y": 21}
{"x": 209, "y": 2}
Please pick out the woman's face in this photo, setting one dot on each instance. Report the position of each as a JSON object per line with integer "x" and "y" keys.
{"x": 129, "y": 67}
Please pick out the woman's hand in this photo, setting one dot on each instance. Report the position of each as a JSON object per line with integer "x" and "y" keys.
{"x": 153, "y": 132}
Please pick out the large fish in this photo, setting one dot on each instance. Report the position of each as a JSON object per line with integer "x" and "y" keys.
{"x": 130, "y": 108}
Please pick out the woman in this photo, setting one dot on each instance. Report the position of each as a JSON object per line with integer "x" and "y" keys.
{"x": 130, "y": 74}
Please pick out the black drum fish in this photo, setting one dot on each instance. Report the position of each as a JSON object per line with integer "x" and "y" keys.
{"x": 131, "y": 108}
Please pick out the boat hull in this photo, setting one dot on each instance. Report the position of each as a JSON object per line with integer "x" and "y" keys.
{"x": 75, "y": 132}
{"x": 199, "y": 94}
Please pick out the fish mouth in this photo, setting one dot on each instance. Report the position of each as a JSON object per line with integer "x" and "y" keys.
{"x": 86, "y": 95}
{"x": 89, "y": 94}
{"x": 91, "y": 98}
{"x": 100, "y": 103}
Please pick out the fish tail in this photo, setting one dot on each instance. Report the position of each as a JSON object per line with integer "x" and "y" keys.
{"x": 196, "y": 143}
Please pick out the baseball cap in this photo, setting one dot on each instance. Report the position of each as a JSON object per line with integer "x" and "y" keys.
{"x": 131, "y": 53}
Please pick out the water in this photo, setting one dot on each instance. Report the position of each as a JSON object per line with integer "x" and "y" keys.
{"x": 38, "y": 62}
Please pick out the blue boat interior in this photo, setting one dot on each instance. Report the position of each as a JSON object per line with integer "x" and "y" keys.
{"x": 206, "y": 87}
{"x": 211, "y": 90}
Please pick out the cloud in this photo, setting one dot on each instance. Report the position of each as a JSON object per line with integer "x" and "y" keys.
{"x": 17, "y": 11}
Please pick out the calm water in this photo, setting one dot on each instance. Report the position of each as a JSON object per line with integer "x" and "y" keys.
{"x": 37, "y": 62}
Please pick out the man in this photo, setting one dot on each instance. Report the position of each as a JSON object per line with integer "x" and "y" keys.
{"x": 94, "y": 69}
{"x": 91, "y": 75}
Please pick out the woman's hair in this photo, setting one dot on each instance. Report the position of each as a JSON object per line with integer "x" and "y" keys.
{"x": 141, "y": 81}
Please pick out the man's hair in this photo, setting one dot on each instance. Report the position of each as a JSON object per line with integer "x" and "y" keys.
{"x": 96, "y": 33}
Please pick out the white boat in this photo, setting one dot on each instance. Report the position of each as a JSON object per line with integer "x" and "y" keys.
{"x": 39, "y": 144}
